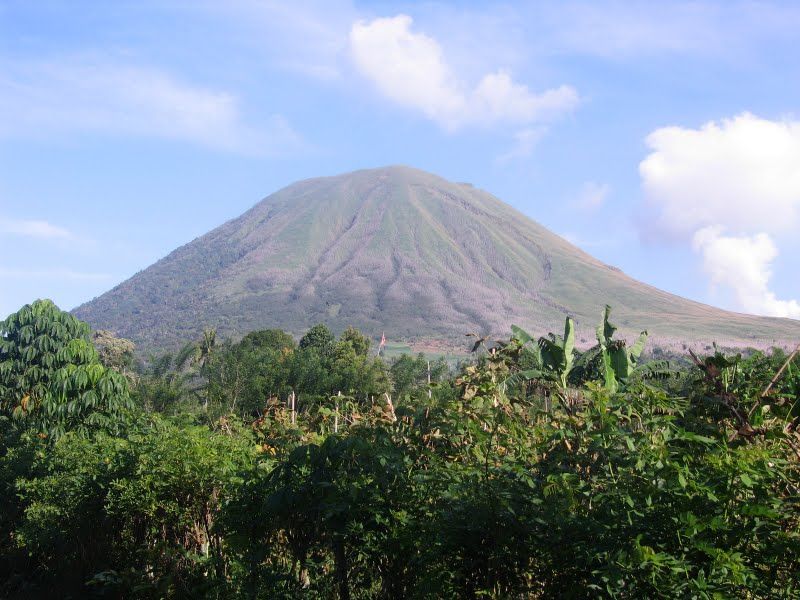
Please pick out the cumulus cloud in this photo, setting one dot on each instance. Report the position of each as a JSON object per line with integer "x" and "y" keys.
{"x": 34, "y": 229}
{"x": 74, "y": 96}
{"x": 743, "y": 265}
{"x": 410, "y": 69}
{"x": 728, "y": 186}
{"x": 743, "y": 173}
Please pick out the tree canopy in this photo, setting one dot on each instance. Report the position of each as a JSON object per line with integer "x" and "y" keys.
{"x": 270, "y": 469}
{"x": 51, "y": 377}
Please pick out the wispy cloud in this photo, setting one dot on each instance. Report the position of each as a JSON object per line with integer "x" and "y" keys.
{"x": 410, "y": 69}
{"x": 525, "y": 141}
{"x": 35, "y": 229}
{"x": 54, "y": 273}
{"x": 308, "y": 37}
{"x": 312, "y": 37}
{"x": 89, "y": 95}
{"x": 615, "y": 30}
{"x": 592, "y": 196}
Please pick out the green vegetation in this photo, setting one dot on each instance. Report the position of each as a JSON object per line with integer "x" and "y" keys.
{"x": 268, "y": 468}
{"x": 51, "y": 377}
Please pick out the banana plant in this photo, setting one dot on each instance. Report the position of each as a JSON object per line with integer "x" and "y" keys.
{"x": 558, "y": 353}
{"x": 554, "y": 354}
{"x": 619, "y": 361}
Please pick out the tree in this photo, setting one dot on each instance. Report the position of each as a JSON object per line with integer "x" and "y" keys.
{"x": 135, "y": 514}
{"x": 205, "y": 349}
{"x": 357, "y": 340}
{"x": 242, "y": 378}
{"x": 114, "y": 352}
{"x": 164, "y": 384}
{"x": 51, "y": 377}
{"x": 319, "y": 337}
{"x": 357, "y": 374}
{"x": 410, "y": 373}
{"x": 267, "y": 339}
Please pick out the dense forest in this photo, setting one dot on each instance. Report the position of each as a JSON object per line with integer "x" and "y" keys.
{"x": 274, "y": 468}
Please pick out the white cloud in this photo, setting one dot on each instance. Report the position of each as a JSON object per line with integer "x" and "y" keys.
{"x": 312, "y": 36}
{"x": 740, "y": 176}
{"x": 743, "y": 173}
{"x": 410, "y": 69}
{"x": 743, "y": 264}
{"x": 35, "y": 229}
{"x": 67, "y": 97}
{"x": 592, "y": 195}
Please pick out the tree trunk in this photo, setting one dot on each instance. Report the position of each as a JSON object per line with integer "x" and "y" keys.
{"x": 340, "y": 566}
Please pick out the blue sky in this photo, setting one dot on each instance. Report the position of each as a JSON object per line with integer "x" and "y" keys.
{"x": 664, "y": 138}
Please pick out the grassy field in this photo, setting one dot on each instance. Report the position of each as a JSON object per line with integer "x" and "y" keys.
{"x": 394, "y": 349}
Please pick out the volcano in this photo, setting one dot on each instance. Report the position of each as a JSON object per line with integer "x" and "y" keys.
{"x": 399, "y": 250}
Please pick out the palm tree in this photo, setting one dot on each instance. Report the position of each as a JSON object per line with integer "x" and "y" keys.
{"x": 203, "y": 354}
{"x": 205, "y": 349}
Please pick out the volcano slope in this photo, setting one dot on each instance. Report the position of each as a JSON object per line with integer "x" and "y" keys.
{"x": 403, "y": 251}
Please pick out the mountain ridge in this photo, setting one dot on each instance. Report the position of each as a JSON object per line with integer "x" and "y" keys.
{"x": 400, "y": 250}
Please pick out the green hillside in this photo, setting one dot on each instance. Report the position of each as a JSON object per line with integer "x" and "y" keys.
{"x": 403, "y": 251}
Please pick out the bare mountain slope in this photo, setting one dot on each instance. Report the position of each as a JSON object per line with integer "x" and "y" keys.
{"x": 400, "y": 250}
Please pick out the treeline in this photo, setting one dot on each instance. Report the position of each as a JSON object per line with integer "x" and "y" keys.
{"x": 269, "y": 468}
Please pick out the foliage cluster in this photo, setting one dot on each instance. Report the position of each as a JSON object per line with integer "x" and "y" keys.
{"x": 273, "y": 469}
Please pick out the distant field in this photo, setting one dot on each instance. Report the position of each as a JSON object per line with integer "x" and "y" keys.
{"x": 394, "y": 349}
